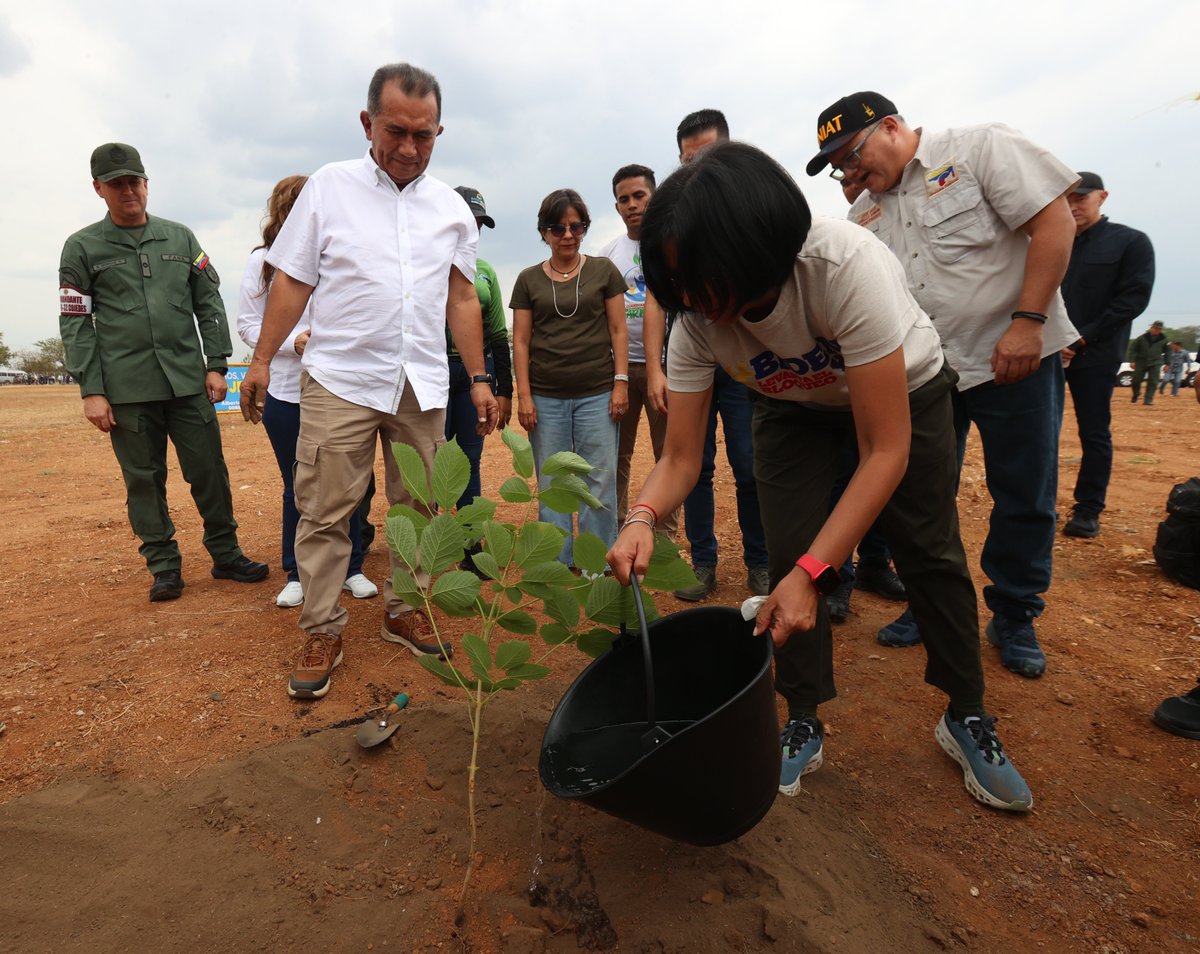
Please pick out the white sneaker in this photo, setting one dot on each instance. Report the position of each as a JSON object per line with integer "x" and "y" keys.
{"x": 290, "y": 595}
{"x": 360, "y": 587}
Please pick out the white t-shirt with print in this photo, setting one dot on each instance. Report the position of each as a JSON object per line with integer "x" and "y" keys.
{"x": 625, "y": 253}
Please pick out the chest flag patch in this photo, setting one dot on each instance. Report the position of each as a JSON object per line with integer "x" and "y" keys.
{"x": 200, "y": 262}
{"x": 940, "y": 179}
{"x": 71, "y": 301}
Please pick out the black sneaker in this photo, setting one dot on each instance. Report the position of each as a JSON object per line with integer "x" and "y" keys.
{"x": 706, "y": 582}
{"x": 838, "y": 602}
{"x": 242, "y": 569}
{"x": 758, "y": 580}
{"x": 881, "y": 579}
{"x": 1180, "y": 714}
{"x": 1083, "y": 523}
{"x": 167, "y": 585}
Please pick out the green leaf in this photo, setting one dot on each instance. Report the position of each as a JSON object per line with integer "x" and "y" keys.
{"x": 528, "y": 671}
{"x": 549, "y": 572}
{"x": 596, "y": 642}
{"x": 419, "y": 520}
{"x": 579, "y": 487}
{"x": 667, "y": 570}
{"x": 539, "y": 591}
{"x": 486, "y": 564}
{"x": 566, "y": 462}
{"x": 522, "y": 451}
{"x": 441, "y": 544}
{"x": 559, "y": 500}
{"x": 402, "y": 538}
{"x": 516, "y": 621}
{"x": 538, "y": 542}
{"x": 480, "y": 655}
{"x": 562, "y": 607}
{"x": 451, "y": 474}
{"x": 515, "y": 490}
{"x": 555, "y": 633}
{"x": 406, "y": 587}
{"x": 589, "y": 553}
{"x": 508, "y": 682}
{"x": 512, "y": 653}
{"x": 412, "y": 471}
{"x": 444, "y": 671}
{"x": 611, "y": 604}
{"x": 513, "y": 594}
{"x": 456, "y": 592}
{"x": 474, "y": 515}
{"x": 499, "y": 541}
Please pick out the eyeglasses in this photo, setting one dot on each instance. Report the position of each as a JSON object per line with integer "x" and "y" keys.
{"x": 852, "y": 158}
{"x": 558, "y": 229}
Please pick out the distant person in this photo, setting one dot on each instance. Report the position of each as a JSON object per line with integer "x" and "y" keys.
{"x": 731, "y": 400}
{"x": 384, "y": 256}
{"x": 633, "y": 185}
{"x": 460, "y": 413}
{"x": 1107, "y": 286}
{"x": 571, "y": 360}
{"x": 281, "y": 412}
{"x": 1176, "y": 368}
{"x": 1148, "y": 353}
{"x": 818, "y": 313}
{"x": 133, "y": 290}
{"x": 979, "y": 220}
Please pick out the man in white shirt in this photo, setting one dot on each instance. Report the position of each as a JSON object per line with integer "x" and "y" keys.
{"x": 632, "y": 187}
{"x": 384, "y": 257}
{"x": 978, "y": 217}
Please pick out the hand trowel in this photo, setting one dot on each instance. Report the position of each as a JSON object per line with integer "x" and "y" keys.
{"x": 374, "y": 731}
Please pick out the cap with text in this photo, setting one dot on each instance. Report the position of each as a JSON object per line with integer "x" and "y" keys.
{"x": 1088, "y": 182}
{"x": 478, "y": 207}
{"x": 838, "y": 124}
{"x": 116, "y": 159}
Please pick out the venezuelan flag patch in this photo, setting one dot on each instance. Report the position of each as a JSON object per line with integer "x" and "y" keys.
{"x": 200, "y": 261}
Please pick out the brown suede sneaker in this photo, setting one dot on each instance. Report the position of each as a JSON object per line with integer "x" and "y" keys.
{"x": 322, "y": 654}
{"x": 414, "y": 631}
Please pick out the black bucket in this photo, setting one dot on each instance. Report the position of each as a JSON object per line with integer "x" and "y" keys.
{"x": 681, "y": 739}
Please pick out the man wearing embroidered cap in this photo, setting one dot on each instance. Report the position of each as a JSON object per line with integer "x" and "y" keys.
{"x": 978, "y": 217}
{"x": 129, "y": 286}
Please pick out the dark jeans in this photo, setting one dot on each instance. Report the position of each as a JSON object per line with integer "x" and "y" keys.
{"x": 1091, "y": 392}
{"x": 872, "y": 548}
{"x": 140, "y": 442}
{"x": 460, "y": 423}
{"x": 1019, "y": 426}
{"x": 281, "y": 421}
{"x": 796, "y": 462}
{"x": 732, "y": 401}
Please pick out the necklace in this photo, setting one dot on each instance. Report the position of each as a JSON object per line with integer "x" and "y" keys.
{"x": 567, "y": 273}
{"x": 554, "y": 293}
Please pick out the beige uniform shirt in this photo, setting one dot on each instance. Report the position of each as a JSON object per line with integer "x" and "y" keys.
{"x": 954, "y": 222}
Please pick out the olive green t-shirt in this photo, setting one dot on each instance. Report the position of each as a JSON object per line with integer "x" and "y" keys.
{"x": 570, "y": 351}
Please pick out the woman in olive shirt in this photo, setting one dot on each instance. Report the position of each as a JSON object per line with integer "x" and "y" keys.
{"x": 571, "y": 360}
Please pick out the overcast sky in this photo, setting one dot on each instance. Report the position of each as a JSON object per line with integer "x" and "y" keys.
{"x": 224, "y": 99}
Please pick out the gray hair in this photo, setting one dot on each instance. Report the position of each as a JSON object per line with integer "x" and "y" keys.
{"x": 413, "y": 81}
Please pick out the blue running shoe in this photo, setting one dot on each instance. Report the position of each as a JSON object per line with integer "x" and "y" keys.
{"x": 900, "y": 633}
{"x": 803, "y": 742}
{"x": 987, "y": 773}
{"x": 1018, "y": 645}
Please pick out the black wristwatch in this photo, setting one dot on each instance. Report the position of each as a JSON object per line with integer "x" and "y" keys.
{"x": 483, "y": 379}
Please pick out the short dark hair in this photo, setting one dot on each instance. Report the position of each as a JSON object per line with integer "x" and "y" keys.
{"x": 633, "y": 171}
{"x": 735, "y": 220}
{"x": 413, "y": 81}
{"x": 700, "y": 121}
{"x": 555, "y": 206}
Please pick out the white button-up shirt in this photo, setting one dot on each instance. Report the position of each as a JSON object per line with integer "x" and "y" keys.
{"x": 380, "y": 259}
{"x": 252, "y": 301}
{"x": 954, "y": 221}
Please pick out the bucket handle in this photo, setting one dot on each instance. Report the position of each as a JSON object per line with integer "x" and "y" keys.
{"x": 655, "y": 734}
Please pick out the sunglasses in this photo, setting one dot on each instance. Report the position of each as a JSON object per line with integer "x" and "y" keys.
{"x": 558, "y": 229}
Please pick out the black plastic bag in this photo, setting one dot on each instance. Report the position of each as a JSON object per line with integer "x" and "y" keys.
{"x": 1177, "y": 546}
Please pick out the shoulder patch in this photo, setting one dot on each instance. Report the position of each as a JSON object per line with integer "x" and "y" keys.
{"x": 200, "y": 262}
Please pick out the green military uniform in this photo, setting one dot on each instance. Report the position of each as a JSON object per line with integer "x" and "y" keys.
{"x": 128, "y": 298}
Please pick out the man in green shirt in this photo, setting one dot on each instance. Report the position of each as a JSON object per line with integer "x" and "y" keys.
{"x": 129, "y": 286}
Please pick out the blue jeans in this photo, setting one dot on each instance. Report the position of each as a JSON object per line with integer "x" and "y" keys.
{"x": 1091, "y": 392}
{"x": 732, "y": 401}
{"x": 581, "y": 425}
{"x": 460, "y": 423}
{"x": 281, "y": 421}
{"x": 1019, "y": 426}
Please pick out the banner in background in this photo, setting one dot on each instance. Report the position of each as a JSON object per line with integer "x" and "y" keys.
{"x": 233, "y": 398}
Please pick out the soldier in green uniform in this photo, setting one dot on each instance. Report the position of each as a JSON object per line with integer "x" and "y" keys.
{"x": 129, "y": 286}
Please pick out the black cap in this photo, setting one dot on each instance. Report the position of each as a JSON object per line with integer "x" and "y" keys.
{"x": 116, "y": 159}
{"x": 1088, "y": 182}
{"x": 475, "y": 201}
{"x": 838, "y": 124}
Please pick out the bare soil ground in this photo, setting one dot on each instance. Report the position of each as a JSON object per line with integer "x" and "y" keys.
{"x": 159, "y": 791}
